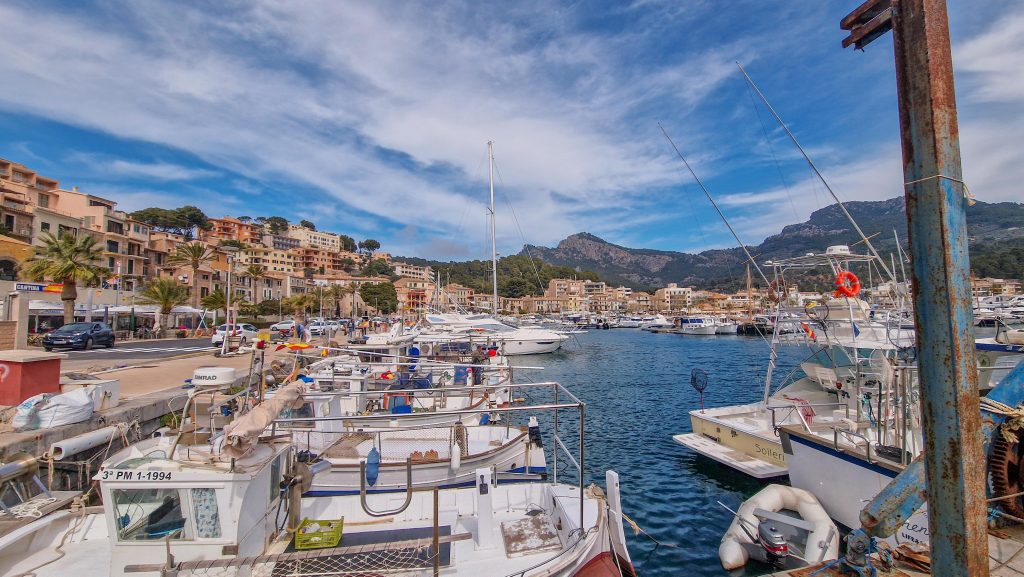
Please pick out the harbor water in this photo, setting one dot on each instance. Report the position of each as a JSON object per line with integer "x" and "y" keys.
{"x": 636, "y": 386}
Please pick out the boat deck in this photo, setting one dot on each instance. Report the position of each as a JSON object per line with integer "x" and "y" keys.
{"x": 757, "y": 468}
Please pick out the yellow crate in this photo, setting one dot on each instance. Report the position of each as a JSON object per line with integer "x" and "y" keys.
{"x": 319, "y": 533}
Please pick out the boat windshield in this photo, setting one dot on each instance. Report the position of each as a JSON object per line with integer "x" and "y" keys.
{"x": 154, "y": 514}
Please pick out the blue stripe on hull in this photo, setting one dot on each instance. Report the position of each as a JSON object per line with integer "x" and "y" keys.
{"x": 844, "y": 456}
{"x": 372, "y": 491}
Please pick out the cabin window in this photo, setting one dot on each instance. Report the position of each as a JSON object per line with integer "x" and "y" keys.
{"x": 150, "y": 514}
{"x": 303, "y": 412}
{"x": 157, "y": 514}
{"x": 204, "y": 506}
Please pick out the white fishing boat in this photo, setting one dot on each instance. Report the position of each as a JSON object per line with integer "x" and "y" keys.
{"x": 745, "y": 437}
{"x": 697, "y": 325}
{"x": 210, "y": 502}
{"x": 726, "y": 326}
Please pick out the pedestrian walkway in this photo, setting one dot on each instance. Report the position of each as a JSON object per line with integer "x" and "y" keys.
{"x": 121, "y": 350}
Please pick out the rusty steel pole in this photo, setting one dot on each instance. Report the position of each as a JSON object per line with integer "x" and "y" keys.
{"x": 937, "y": 223}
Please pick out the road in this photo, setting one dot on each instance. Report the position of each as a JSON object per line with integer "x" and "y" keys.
{"x": 140, "y": 350}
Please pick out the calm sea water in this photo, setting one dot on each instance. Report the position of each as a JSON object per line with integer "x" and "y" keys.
{"x": 636, "y": 386}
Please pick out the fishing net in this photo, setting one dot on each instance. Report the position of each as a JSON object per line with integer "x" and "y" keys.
{"x": 362, "y": 560}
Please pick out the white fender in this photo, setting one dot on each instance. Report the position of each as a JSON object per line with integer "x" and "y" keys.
{"x": 822, "y": 542}
{"x": 456, "y": 461}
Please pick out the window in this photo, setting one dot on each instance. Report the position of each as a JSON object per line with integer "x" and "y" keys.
{"x": 9, "y": 222}
{"x": 303, "y": 412}
{"x": 44, "y": 201}
{"x": 156, "y": 514}
{"x": 44, "y": 226}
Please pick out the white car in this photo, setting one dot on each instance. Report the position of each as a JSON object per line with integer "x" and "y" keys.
{"x": 246, "y": 331}
{"x": 319, "y": 328}
{"x": 283, "y": 326}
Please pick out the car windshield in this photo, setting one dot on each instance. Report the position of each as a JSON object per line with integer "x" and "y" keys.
{"x": 74, "y": 328}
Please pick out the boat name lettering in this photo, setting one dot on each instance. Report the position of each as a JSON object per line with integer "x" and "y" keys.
{"x": 121, "y": 475}
{"x": 768, "y": 452}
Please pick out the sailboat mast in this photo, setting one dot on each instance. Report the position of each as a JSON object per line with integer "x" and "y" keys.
{"x": 494, "y": 238}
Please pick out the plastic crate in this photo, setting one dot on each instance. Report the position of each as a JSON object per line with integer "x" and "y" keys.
{"x": 319, "y": 533}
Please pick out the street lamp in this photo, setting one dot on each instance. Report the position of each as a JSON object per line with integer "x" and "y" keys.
{"x": 229, "y": 251}
{"x": 280, "y": 310}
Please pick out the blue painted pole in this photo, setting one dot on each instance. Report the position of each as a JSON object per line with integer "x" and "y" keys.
{"x": 937, "y": 223}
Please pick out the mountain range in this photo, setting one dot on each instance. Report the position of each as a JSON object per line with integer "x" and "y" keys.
{"x": 996, "y": 243}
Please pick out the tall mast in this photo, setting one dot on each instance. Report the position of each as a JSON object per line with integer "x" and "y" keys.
{"x": 494, "y": 239}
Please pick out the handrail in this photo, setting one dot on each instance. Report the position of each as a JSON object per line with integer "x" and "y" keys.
{"x": 835, "y": 441}
{"x": 408, "y": 491}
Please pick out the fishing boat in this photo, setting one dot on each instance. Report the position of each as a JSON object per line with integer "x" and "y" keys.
{"x": 697, "y": 325}
{"x": 814, "y": 395}
{"x": 725, "y": 326}
{"x": 230, "y": 502}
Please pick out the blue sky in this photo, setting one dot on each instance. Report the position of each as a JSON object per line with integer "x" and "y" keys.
{"x": 371, "y": 118}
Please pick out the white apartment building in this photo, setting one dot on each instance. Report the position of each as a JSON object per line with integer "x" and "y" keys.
{"x": 411, "y": 270}
{"x": 314, "y": 238}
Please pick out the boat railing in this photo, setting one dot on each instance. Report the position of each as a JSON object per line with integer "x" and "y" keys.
{"x": 836, "y": 432}
{"x": 796, "y": 407}
{"x": 563, "y": 400}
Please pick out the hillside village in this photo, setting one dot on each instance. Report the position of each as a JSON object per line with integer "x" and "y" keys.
{"x": 272, "y": 260}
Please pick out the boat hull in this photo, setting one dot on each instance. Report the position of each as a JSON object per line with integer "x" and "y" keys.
{"x": 844, "y": 481}
{"x": 749, "y": 452}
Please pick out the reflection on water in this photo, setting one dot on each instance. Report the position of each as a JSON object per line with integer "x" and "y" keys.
{"x": 636, "y": 386}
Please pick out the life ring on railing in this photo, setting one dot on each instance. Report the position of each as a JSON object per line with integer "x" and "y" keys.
{"x": 847, "y": 284}
{"x": 776, "y": 290}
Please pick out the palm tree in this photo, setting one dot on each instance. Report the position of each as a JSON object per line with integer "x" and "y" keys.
{"x": 215, "y": 301}
{"x": 166, "y": 293}
{"x": 336, "y": 293}
{"x": 67, "y": 260}
{"x": 255, "y": 272}
{"x": 193, "y": 255}
{"x": 298, "y": 305}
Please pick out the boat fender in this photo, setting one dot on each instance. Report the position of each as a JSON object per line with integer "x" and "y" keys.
{"x": 372, "y": 466}
{"x": 456, "y": 460}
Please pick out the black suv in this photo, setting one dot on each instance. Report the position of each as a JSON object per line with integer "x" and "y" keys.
{"x": 79, "y": 336}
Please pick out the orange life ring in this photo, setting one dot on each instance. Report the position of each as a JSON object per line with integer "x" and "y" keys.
{"x": 847, "y": 284}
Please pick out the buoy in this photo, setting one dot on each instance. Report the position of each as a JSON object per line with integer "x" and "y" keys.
{"x": 372, "y": 466}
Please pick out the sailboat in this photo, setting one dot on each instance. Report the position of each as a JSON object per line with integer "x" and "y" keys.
{"x": 451, "y": 329}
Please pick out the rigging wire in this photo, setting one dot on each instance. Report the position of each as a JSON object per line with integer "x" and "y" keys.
{"x": 715, "y": 204}
{"x": 515, "y": 219}
{"x": 817, "y": 173}
{"x": 771, "y": 149}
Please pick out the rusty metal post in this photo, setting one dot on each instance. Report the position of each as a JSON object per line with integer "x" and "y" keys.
{"x": 937, "y": 223}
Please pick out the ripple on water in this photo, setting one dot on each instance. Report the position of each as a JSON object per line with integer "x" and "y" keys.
{"x": 636, "y": 387}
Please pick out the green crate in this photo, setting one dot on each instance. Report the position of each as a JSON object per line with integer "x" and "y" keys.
{"x": 319, "y": 533}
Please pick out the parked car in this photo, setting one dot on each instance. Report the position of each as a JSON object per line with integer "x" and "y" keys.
{"x": 283, "y": 327}
{"x": 318, "y": 328}
{"x": 79, "y": 336}
{"x": 246, "y": 331}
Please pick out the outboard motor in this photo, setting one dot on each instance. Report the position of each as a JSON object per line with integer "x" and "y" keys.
{"x": 773, "y": 542}
{"x": 534, "y": 432}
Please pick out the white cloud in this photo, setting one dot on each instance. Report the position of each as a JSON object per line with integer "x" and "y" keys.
{"x": 157, "y": 170}
{"x": 386, "y": 108}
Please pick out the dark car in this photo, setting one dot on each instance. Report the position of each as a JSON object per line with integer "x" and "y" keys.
{"x": 79, "y": 336}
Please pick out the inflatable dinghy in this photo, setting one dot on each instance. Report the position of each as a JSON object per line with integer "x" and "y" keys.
{"x": 781, "y": 526}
